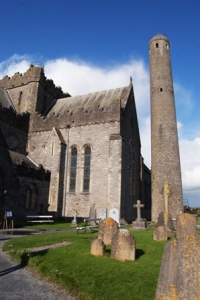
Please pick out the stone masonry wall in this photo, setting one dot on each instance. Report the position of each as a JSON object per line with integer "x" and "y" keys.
{"x": 164, "y": 137}
{"x": 46, "y": 148}
{"x": 98, "y": 138}
{"x": 31, "y": 91}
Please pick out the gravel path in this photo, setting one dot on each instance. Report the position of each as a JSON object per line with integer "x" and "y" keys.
{"x": 17, "y": 283}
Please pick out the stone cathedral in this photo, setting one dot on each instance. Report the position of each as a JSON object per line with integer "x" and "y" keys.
{"x": 60, "y": 154}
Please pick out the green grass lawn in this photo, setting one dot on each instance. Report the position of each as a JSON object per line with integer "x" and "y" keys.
{"x": 74, "y": 268}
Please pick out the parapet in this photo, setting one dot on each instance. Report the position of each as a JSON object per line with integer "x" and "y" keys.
{"x": 33, "y": 74}
{"x": 20, "y": 121}
{"x": 37, "y": 173}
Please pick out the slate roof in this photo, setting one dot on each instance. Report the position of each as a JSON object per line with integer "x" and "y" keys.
{"x": 102, "y": 99}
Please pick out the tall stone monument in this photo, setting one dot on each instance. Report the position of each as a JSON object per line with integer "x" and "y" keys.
{"x": 165, "y": 157}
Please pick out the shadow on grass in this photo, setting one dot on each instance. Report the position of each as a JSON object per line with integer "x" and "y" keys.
{"x": 26, "y": 256}
{"x": 139, "y": 253}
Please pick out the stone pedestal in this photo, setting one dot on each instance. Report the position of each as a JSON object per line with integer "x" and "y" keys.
{"x": 139, "y": 224}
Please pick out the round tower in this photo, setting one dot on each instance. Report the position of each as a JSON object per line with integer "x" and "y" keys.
{"x": 166, "y": 171}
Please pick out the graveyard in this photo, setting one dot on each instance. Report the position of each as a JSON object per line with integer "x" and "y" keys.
{"x": 87, "y": 276}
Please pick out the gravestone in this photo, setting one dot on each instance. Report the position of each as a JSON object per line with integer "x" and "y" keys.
{"x": 92, "y": 215}
{"x": 165, "y": 219}
{"x": 107, "y": 228}
{"x": 139, "y": 223}
{"x": 179, "y": 276}
{"x": 102, "y": 213}
{"x": 185, "y": 225}
{"x": 160, "y": 233}
{"x": 123, "y": 246}
{"x": 98, "y": 247}
{"x": 114, "y": 214}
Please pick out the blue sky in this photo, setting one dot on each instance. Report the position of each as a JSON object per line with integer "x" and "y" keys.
{"x": 87, "y": 46}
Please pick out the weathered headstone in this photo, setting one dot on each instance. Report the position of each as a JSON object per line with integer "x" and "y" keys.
{"x": 185, "y": 225}
{"x": 102, "y": 213}
{"x": 98, "y": 247}
{"x": 179, "y": 276}
{"x": 92, "y": 215}
{"x": 123, "y": 246}
{"x": 139, "y": 223}
{"x": 160, "y": 233}
{"x": 107, "y": 228}
{"x": 165, "y": 219}
{"x": 114, "y": 214}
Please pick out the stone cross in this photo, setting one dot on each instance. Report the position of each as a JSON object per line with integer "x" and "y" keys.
{"x": 74, "y": 221}
{"x": 139, "y": 206}
{"x": 92, "y": 214}
{"x": 166, "y": 194}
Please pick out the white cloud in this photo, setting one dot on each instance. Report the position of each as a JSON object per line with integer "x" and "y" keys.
{"x": 79, "y": 77}
{"x": 190, "y": 163}
{"x": 183, "y": 98}
{"x": 14, "y": 64}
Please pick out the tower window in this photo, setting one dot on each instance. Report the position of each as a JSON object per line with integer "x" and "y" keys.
{"x": 161, "y": 89}
{"x": 73, "y": 166}
{"x": 156, "y": 45}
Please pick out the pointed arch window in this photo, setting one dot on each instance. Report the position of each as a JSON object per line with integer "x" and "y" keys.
{"x": 86, "y": 175}
{"x": 28, "y": 198}
{"x": 31, "y": 197}
{"x": 73, "y": 167}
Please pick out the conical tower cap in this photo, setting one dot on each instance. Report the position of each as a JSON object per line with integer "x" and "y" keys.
{"x": 159, "y": 36}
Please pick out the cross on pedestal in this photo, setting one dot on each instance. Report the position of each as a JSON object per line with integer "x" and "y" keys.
{"x": 138, "y": 206}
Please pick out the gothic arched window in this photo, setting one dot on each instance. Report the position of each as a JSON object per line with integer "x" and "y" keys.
{"x": 86, "y": 174}
{"x": 31, "y": 197}
{"x": 28, "y": 198}
{"x": 34, "y": 197}
{"x": 73, "y": 166}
